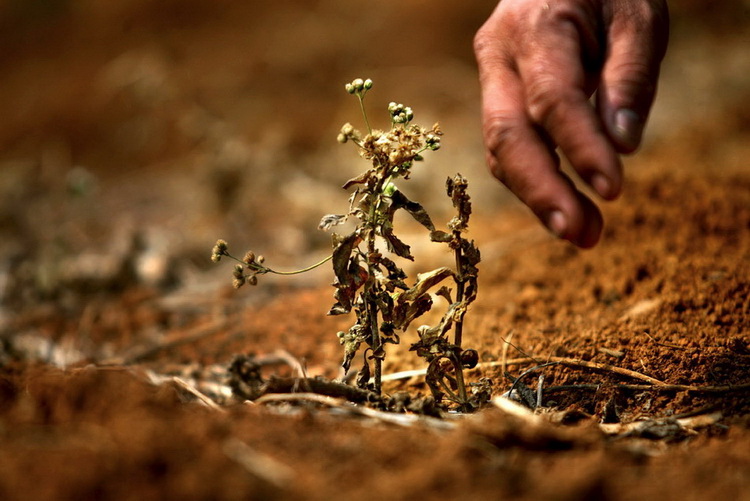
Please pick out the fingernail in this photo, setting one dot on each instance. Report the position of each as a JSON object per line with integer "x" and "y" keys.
{"x": 556, "y": 223}
{"x": 601, "y": 185}
{"x": 628, "y": 127}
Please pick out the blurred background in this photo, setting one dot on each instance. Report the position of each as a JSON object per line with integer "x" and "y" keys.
{"x": 134, "y": 133}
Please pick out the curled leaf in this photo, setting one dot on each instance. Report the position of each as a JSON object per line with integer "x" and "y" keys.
{"x": 330, "y": 220}
{"x": 440, "y": 236}
{"x": 341, "y": 254}
{"x": 396, "y": 246}
{"x": 425, "y": 281}
{"x": 361, "y": 179}
{"x": 456, "y": 188}
{"x": 399, "y": 201}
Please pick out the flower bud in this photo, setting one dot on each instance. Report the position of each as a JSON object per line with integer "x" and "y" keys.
{"x": 358, "y": 84}
{"x": 368, "y": 84}
{"x": 349, "y": 88}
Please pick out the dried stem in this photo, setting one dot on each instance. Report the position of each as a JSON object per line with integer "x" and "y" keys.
{"x": 458, "y": 328}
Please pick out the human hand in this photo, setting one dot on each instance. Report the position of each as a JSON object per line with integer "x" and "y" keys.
{"x": 539, "y": 63}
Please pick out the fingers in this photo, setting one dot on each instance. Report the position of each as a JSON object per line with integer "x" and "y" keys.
{"x": 520, "y": 156}
{"x": 539, "y": 63}
{"x": 555, "y": 82}
{"x": 637, "y": 42}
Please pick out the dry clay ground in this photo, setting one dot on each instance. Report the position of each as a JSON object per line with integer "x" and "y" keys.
{"x": 113, "y": 358}
{"x": 666, "y": 295}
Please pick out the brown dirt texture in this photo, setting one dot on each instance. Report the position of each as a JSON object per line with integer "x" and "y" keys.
{"x": 135, "y": 133}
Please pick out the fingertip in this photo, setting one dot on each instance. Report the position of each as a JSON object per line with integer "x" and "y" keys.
{"x": 605, "y": 187}
{"x": 589, "y": 231}
{"x": 580, "y": 222}
{"x": 627, "y": 130}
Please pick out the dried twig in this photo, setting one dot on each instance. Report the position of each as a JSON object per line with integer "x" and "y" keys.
{"x": 338, "y": 403}
{"x": 202, "y": 398}
{"x": 661, "y": 428}
{"x": 504, "y": 357}
{"x": 259, "y": 464}
{"x": 659, "y": 388}
{"x": 667, "y": 345}
{"x": 569, "y": 362}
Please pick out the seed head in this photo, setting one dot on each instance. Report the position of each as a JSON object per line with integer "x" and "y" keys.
{"x": 432, "y": 141}
{"x": 220, "y": 249}
{"x": 400, "y": 114}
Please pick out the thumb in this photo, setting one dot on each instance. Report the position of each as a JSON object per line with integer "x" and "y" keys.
{"x": 636, "y": 44}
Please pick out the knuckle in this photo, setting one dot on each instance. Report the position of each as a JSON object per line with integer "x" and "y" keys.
{"x": 649, "y": 16}
{"x": 636, "y": 79}
{"x": 500, "y": 134}
{"x": 546, "y": 100}
{"x": 490, "y": 45}
{"x": 482, "y": 41}
{"x": 576, "y": 12}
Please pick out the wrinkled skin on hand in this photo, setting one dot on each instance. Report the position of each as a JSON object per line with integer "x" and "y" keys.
{"x": 539, "y": 62}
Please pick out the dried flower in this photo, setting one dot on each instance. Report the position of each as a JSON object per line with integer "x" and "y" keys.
{"x": 220, "y": 249}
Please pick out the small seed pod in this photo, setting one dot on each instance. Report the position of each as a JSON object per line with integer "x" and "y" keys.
{"x": 221, "y": 246}
{"x": 249, "y": 257}
{"x": 252, "y": 280}
{"x": 469, "y": 358}
{"x": 238, "y": 282}
{"x": 260, "y": 259}
{"x": 347, "y": 129}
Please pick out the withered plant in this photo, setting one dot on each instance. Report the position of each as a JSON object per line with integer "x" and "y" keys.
{"x": 373, "y": 285}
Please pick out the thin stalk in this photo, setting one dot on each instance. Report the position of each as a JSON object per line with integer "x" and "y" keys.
{"x": 364, "y": 113}
{"x": 372, "y": 307}
{"x": 460, "y": 285}
{"x": 372, "y": 311}
{"x": 460, "y": 383}
{"x": 259, "y": 268}
{"x": 303, "y": 270}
